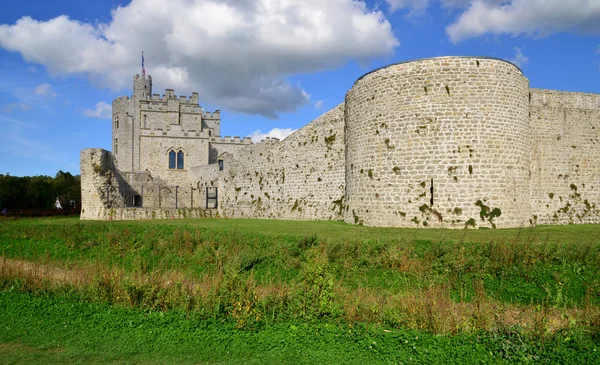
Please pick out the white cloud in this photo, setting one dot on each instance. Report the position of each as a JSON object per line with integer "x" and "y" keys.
{"x": 45, "y": 90}
{"x": 533, "y": 17}
{"x": 520, "y": 59}
{"x": 13, "y": 107}
{"x": 417, "y": 7}
{"x": 318, "y": 104}
{"x": 237, "y": 54}
{"x": 258, "y": 135}
{"x": 102, "y": 110}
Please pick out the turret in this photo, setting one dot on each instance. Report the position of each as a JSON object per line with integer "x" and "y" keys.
{"x": 142, "y": 87}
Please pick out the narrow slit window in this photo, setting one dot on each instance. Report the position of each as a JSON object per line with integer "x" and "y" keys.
{"x": 172, "y": 159}
{"x": 180, "y": 160}
{"x": 431, "y": 191}
{"x": 116, "y": 148}
{"x": 221, "y": 165}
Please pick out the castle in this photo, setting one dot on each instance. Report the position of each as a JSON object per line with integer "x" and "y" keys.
{"x": 445, "y": 142}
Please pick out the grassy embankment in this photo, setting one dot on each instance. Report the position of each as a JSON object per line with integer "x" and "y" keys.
{"x": 541, "y": 284}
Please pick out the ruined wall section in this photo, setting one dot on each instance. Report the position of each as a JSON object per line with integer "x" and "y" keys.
{"x": 101, "y": 184}
{"x": 565, "y": 157}
{"x": 457, "y": 124}
{"x": 108, "y": 194}
{"x": 301, "y": 177}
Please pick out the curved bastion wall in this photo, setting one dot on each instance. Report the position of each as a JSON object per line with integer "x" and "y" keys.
{"x": 439, "y": 142}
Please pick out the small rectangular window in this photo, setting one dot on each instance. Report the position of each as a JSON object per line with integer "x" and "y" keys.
{"x": 137, "y": 201}
{"x": 220, "y": 165}
{"x": 116, "y": 147}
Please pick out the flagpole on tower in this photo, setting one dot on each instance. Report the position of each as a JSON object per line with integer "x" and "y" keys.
{"x": 143, "y": 68}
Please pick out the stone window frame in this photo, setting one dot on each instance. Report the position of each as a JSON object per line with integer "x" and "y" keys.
{"x": 116, "y": 125}
{"x": 116, "y": 146}
{"x": 176, "y": 152}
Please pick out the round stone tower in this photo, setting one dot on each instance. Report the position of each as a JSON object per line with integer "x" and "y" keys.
{"x": 439, "y": 143}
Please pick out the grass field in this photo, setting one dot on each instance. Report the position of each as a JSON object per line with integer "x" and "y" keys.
{"x": 296, "y": 291}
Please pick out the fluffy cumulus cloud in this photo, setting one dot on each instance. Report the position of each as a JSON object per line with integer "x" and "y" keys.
{"x": 45, "y": 90}
{"x": 533, "y": 17}
{"x": 475, "y": 18}
{"x": 102, "y": 110}
{"x": 236, "y": 53}
{"x": 258, "y": 135}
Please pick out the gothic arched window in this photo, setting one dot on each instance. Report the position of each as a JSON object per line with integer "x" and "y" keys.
{"x": 180, "y": 160}
{"x": 172, "y": 159}
{"x": 176, "y": 160}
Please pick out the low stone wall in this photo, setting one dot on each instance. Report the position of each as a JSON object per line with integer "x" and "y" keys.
{"x": 123, "y": 214}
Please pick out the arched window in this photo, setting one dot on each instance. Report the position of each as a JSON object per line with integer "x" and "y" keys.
{"x": 180, "y": 160}
{"x": 176, "y": 160}
{"x": 172, "y": 159}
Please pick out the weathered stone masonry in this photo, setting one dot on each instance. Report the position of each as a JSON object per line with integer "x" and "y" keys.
{"x": 447, "y": 142}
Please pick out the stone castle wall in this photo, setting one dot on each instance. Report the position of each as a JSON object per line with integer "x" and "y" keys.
{"x": 301, "y": 177}
{"x": 232, "y": 146}
{"x": 156, "y": 156}
{"x": 446, "y": 142}
{"x": 565, "y": 157}
{"x": 457, "y": 124}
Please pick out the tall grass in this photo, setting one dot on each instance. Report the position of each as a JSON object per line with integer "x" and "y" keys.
{"x": 448, "y": 285}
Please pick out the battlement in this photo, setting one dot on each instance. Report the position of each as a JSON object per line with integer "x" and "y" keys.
{"x": 170, "y": 94}
{"x": 143, "y": 77}
{"x": 121, "y": 99}
{"x": 215, "y": 115}
{"x": 231, "y": 140}
{"x": 268, "y": 140}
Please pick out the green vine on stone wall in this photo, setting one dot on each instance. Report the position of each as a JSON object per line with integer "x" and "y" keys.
{"x": 486, "y": 213}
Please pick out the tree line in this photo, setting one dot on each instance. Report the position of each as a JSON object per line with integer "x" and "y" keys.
{"x": 40, "y": 192}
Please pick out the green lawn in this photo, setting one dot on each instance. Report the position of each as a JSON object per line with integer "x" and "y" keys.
{"x": 47, "y": 330}
{"x": 479, "y": 294}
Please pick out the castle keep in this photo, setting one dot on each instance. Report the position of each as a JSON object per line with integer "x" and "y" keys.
{"x": 446, "y": 142}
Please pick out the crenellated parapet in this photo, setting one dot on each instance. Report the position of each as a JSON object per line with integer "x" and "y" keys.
{"x": 231, "y": 140}
{"x": 269, "y": 140}
{"x": 121, "y": 99}
{"x": 214, "y": 115}
{"x": 170, "y": 94}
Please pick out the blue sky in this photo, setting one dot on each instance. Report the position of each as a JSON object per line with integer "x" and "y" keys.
{"x": 270, "y": 66}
